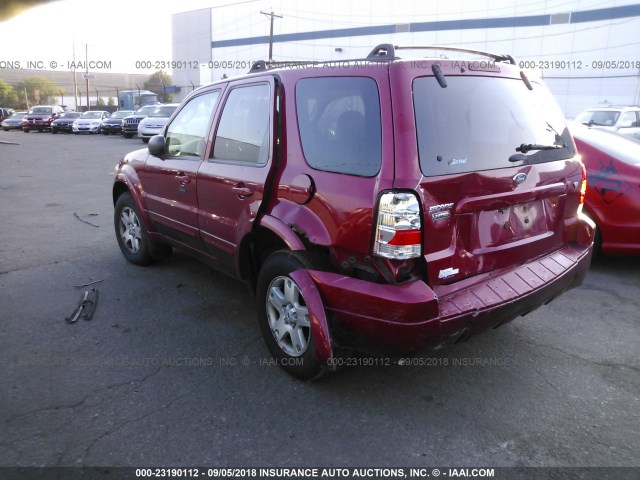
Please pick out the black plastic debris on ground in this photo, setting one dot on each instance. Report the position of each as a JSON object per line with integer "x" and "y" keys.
{"x": 85, "y": 308}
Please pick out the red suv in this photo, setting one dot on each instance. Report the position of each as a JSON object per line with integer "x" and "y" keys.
{"x": 377, "y": 203}
{"x": 40, "y": 117}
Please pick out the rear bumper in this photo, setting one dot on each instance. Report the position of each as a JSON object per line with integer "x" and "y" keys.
{"x": 411, "y": 316}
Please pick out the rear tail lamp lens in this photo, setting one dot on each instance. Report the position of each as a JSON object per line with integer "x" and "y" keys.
{"x": 398, "y": 232}
{"x": 583, "y": 187}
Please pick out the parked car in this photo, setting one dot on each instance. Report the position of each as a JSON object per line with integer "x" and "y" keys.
{"x": 40, "y": 117}
{"x": 113, "y": 124}
{"x": 5, "y": 113}
{"x": 65, "y": 122}
{"x": 157, "y": 119}
{"x": 624, "y": 120}
{"x": 89, "y": 122}
{"x": 613, "y": 188}
{"x": 385, "y": 203}
{"x": 14, "y": 122}
{"x": 130, "y": 123}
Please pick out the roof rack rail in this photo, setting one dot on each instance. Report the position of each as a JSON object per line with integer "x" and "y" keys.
{"x": 388, "y": 51}
{"x": 382, "y": 52}
{"x": 262, "y": 65}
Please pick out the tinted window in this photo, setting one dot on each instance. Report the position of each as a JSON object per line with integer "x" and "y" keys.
{"x": 339, "y": 120}
{"x": 187, "y": 132}
{"x": 476, "y": 123}
{"x": 243, "y": 131}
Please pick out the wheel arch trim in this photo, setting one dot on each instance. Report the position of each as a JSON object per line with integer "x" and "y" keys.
{"x": 122, "y": 185}
{"x": 318, "y": 317}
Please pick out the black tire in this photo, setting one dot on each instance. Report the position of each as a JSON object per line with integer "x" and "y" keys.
{"x": 54, "y": 131}
{"x": 597, "y": 244}
{"x": 297, "y": 354}
{"x": 131, "y": 233}
{"x": 145, "y": 140}
{"x": 25, "y": 130}
{"x": 126, "y": 135}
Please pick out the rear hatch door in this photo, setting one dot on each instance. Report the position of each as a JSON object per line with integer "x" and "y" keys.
{"x": 486, "y": 205}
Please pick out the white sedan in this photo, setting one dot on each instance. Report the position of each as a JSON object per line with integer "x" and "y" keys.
{"x": 89, "y": 122}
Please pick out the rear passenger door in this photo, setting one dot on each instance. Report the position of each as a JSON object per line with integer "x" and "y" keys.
{"x": 231, "y": 181}
{"x": 170, "y": 181}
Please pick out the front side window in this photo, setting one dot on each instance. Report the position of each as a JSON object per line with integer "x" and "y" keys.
{"x": 243, "y": 131}
{"x": 629, "y": 120}
{"x": 187, "y": 132}
{"x": 476, "y": 124}
{"x": 340, "y": 129}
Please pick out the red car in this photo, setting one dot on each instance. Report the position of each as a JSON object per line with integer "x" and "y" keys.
{"x": 382, "y": 202}
{"x": 613, "y": 188}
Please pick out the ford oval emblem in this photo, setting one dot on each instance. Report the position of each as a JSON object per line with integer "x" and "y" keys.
{"x": 519, "y": 178}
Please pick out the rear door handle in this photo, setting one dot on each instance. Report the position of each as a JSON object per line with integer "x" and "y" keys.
{"x": 183, "y": 179}
{"x": 242, "y": 191}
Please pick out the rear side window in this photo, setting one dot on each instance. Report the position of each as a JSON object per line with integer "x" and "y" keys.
{"x": 243, "y": 131}
{"x": 476, "y": 124}
{"x": 339, "y": 120}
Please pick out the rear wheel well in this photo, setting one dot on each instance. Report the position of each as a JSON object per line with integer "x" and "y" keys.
{"x": 257, "y": 247}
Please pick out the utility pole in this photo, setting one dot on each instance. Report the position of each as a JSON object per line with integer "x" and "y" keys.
{"x": 271, "y": 14}
{"x": 86, "y": 64}
{"x": 75, "y": 83}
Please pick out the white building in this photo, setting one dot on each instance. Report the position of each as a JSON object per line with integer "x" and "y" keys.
{"x": 588, "y": 51}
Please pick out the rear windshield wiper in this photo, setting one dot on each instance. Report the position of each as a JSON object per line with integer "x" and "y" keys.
{"x": 527, "y": 147}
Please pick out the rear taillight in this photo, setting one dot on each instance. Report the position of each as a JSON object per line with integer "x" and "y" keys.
{"x": 398, "y": 232}
{"x": 583, "y": 187}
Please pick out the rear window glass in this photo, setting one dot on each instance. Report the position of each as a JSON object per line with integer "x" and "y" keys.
{"x": 476, "y": 123}
{"x": 339, "y": 120}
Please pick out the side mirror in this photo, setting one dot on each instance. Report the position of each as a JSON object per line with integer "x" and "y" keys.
{"x": 157, "y": 146}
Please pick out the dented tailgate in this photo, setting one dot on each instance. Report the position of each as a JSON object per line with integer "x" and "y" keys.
{"x": 498, "y": 178}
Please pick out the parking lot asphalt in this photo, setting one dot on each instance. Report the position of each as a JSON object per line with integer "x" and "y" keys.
{"x": 172, "y": 371}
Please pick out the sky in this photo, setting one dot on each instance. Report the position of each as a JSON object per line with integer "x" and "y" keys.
{"x": 116, "y": 33}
